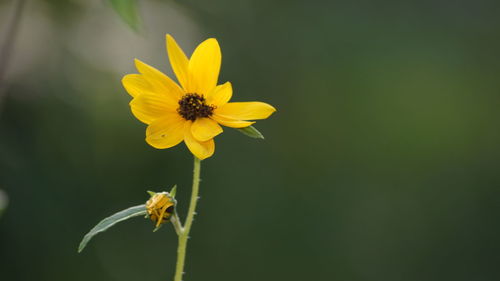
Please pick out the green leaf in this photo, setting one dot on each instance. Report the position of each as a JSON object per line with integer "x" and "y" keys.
{"x": 128, "y": 11}
{"x": 110, "y": 221}
{"x": 251, "y": 132}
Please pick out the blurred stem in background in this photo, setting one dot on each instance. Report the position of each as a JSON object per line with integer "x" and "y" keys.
{"x": 184, "y": 233}
{"x": 8, "y": 43}
{"x": 3, "y": 201}
{"x": 5, "y": 54}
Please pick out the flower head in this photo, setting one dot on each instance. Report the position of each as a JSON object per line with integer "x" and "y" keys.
{"x": 193, "y": 110}
{"x": 160, "y": 207}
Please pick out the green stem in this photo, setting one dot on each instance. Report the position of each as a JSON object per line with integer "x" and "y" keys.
{"x": 184, "y": 236}
{"x": 176, "y": 222}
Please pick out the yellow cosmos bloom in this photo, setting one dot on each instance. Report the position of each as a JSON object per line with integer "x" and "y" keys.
{"x": 192, "y": 111}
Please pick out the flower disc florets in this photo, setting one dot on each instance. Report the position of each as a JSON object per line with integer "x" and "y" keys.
{"x": 193, "y": 106}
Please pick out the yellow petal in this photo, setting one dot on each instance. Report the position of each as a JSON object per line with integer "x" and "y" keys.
{"x": 200, "y": 149}
{"x": 166, "y": 132}
{"x": 135, "y": 84}
{"x": 178, "y": 61}
{"x": 233, "y": 123}
{"x": 150, "y": 106}
{"x": 220, "y": 95}
{"x": 245, "y": 110}
{"x": 160, "y": 82}
{"x": 204, "y": 67}
{"x": 204, "y": 129}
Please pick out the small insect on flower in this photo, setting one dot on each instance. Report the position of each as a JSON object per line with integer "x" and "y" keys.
{"x": 160, "y": 207}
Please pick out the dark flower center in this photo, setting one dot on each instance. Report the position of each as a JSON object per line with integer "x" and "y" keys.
{"x": 193, "y": 106}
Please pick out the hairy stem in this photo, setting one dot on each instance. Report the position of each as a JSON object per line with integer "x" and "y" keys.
{"x": 184, "y": 234}
{"x": 176, "y": 222}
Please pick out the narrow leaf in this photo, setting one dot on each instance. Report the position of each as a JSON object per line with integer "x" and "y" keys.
{"x": 128, "y": 11}
{"x": 251, "y": 132}
{"x": 110, "y": 221}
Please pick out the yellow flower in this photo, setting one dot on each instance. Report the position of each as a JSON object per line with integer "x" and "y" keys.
{"x": 192, "y": 111}
{"x": 160, "y": 207}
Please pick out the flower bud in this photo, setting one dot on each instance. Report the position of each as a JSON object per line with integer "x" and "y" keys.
{"x": 160, "y": 207}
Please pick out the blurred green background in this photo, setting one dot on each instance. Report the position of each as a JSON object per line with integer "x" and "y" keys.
{"x": 382, "y": 162}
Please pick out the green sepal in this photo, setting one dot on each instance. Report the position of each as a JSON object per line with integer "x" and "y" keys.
{"x": 158, "y": 227}
{"x": 250, "y": 131}
{"x": 128, "y": 12}
{"x": 151, "y": 193}
{"x": 173, "y": 191}
{"x": 110, "y": 221}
